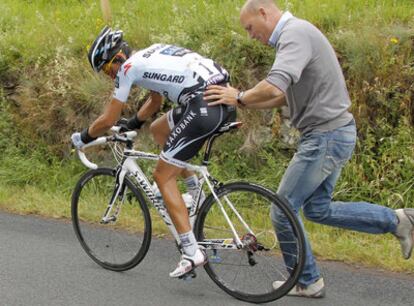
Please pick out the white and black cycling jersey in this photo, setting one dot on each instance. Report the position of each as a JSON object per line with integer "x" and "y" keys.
{"x": 176, "y": 73}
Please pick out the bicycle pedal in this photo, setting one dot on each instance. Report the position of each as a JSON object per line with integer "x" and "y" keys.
{"x": 262, "y": 248}
{"x": 251, "y": 260}
{"x": 188, "y": 276}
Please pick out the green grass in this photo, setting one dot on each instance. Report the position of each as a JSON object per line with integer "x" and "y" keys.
{"x": 47, "y": 91}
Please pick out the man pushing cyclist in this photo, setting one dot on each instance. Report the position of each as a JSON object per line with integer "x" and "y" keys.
{"x": 181, "y": 76}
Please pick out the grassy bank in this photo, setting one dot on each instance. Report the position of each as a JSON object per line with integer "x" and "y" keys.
{"x": 48, "y": 90}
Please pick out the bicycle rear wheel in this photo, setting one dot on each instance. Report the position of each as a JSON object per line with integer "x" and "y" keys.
{"x": 118, "y": 244}
{"x": 249, "y": 273}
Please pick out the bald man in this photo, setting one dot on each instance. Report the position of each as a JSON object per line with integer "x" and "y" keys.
{"x": 306, "y": 76}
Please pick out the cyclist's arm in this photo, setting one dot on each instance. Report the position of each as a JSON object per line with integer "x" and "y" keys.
{"x": 113, "y": 111}
{"x": 105, "y": 121}
{"x": 150, "y": 107}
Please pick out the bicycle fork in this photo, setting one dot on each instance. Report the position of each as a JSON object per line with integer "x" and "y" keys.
{"x": 119, "y": 192}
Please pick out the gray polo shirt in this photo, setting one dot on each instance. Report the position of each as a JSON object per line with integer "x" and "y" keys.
{"x": 307, "y": 71}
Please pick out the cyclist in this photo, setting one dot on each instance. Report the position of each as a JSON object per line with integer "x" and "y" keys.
{"x": 181, "y": 76}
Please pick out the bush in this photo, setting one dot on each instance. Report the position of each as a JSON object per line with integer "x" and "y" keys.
{"x": 49, "y": 91}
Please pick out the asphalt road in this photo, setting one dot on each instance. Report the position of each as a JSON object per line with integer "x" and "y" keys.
{"x": 42, "y": 263}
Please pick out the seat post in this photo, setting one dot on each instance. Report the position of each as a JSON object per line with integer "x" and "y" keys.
{"x": 224, "y": 129}
{"x": 209, "y": 146}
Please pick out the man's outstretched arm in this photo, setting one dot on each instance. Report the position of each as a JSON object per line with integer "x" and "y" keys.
{"x": 263, "y": 96}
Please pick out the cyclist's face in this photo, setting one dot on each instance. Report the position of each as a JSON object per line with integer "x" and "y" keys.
{"x": 108, "y": 69}
{"x": 111, "y": 68}
{"x": 257, "y": 25}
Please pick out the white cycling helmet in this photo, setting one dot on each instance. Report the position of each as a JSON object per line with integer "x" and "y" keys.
{"x": 105, "y": 47}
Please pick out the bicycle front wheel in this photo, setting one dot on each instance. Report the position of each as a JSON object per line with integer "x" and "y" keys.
{"x": 270, "y": 262}
{"x": 120, "y": 241}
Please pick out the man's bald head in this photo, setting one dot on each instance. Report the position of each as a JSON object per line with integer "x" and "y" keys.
{"x": 259, "y": 18}
{"x": 254, "y": 5}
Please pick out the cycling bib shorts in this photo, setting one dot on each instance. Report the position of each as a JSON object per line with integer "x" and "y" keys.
{"x": 191, "y": 124}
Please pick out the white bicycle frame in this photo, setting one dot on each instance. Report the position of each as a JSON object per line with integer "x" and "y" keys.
{"x": 130, "y": 166}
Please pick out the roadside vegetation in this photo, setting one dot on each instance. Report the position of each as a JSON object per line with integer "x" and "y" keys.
{"x": 47, "y": 91}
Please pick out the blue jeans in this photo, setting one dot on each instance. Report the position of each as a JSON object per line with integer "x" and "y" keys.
{"x": 308, "y": 183}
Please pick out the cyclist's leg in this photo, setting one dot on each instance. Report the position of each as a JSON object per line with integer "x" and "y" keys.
{"x": 207, "y": 123}
{"x": 185, "y": 140}
{"x": 190, "y": 126}
{"x": 165, "y": 175}
{"x": 161, "y": 129}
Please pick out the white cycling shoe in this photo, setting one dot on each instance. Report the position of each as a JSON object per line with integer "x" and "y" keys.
{"x": 189, "y": 263}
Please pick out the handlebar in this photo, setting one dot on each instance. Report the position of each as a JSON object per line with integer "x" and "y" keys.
{"x": 124, "y": 137}
{"x": 86, "y": 161}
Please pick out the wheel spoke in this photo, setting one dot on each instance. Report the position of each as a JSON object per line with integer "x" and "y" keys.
{"x": 251, "y": 278}
{"x": 118, "y": 245}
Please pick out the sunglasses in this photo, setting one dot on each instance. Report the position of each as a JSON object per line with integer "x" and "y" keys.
{"x": 107, "y": 67}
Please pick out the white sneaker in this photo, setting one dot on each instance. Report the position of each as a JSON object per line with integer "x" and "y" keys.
{"x": 189, "y": 263}
{"x": 405, "y": 230}
{"x": 315, "y": 290}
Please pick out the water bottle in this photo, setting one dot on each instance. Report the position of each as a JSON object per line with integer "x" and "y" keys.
{"x": 188, "y": 200}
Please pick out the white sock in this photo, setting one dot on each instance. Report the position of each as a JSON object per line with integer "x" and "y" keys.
{"x": 189, "y": 243}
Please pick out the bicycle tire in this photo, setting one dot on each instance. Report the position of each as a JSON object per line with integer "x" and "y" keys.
{"x": 256, "y": 285}
{"x": 116, "y": 246}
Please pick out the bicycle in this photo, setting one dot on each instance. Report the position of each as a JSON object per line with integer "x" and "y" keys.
{"x": 232, "y": 224}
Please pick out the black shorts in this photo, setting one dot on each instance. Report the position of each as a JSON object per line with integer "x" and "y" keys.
{"x": 191, "y": 125}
